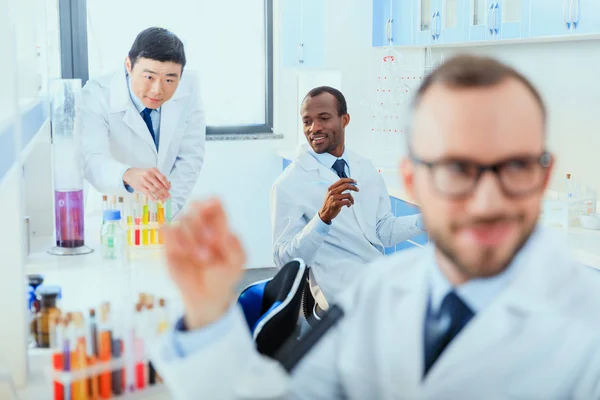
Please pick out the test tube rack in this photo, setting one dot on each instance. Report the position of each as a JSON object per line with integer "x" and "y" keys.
{"x": 142, "y": 220}
{"x": 109, "y": 361}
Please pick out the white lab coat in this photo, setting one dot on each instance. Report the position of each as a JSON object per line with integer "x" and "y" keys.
{"x": 539, "y": 339}
{"x": 114, "y": 136}
{"x": 358, "y": 235}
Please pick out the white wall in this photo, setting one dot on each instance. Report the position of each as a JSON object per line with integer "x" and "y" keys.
{"x": 347, "y": 50}
{"x": 241, "y": 173}
{"x": 566, "y": 74}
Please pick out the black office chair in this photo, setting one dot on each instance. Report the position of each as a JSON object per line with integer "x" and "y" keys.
{"x": 272, "y": 306}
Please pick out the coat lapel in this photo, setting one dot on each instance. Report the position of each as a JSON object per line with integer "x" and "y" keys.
{"x": 120, "y": 101}
{"x": 169, "y": 122}
{"x": 134, "y": 121}
{"x": 172, "y": 118}
{"x": 501, "y": 323}
{"x": 409, "y": 297}
{"x": 356, "y": 172}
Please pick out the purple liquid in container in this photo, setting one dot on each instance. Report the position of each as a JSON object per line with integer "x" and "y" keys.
{"x": 69, "y": 218}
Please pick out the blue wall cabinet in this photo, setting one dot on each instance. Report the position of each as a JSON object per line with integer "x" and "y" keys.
{"x": 427, "y": 19}
{"x": 511, "y": 19}
{"x": 392, "y": 22}
{"x": 550, "y": 18}
{"x": 382, "y": 22}
{"x": 451, "y": 21}
{"x": 585, "y": 16}
{"x": 303, "y": 33}
{"x": 563, "y": 17}
{"x": 478, "y": 25}
{"x": 439, "y": 21}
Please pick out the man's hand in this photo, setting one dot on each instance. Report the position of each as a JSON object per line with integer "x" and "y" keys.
{"x": 150, "y": 182}
{"x": 336, "y": 199}
{"x": 205, "y": 260}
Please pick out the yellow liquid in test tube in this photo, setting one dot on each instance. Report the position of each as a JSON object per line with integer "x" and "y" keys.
{"x": 145, "y": 237}
{"x": 154, "y": 231}
{"x": 160, "y": 218}
{"x": 129, "y": 230}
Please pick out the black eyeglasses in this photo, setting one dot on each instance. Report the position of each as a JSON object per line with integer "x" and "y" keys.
{"x": 518, "y": 176}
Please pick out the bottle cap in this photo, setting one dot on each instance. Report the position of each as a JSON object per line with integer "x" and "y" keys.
{"x": 112, "y": 215}
{"x": 48, "y": 291}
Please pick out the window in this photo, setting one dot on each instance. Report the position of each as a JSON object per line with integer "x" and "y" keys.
{"x": 228, "y": 41}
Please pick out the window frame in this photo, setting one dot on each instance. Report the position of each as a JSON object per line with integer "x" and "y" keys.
{"x": 74, "y": 60}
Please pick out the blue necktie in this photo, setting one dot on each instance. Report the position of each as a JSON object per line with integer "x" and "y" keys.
{"x": 146, "y": 116}
{"x": 440, "y": 329}
{"x": 339, "y": 166}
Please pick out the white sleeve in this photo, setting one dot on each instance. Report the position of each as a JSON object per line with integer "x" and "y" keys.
{"x": 392, "y": 230}
{"x": 293, "y": 235}
{"x": 99, "y": 167}
{"x": 230, "y": 368}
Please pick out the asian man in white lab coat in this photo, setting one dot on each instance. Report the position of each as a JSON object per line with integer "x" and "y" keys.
{"x": 495, "y": 308}
{"x": 143, "y": 127}
{"x": 331, "y": 207}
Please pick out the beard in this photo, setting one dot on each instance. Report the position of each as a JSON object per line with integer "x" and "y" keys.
{"x": 488, "y": 261}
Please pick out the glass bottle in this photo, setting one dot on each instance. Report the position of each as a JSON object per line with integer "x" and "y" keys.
{"x": 113, "y": 236}
{"x": 47, "y": 296}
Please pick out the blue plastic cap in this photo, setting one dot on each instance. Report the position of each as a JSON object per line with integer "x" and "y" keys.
{"x": 112, "y": 215}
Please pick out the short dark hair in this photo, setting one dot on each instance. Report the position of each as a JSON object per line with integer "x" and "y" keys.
{"x": 341, "y": 100}
{"x": 469, "y": 71}
{"x": 157, "y": 44}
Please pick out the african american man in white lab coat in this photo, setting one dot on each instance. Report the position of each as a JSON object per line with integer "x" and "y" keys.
{"x": 143, "y": 127}
{"x": 331, "y": 207}
{"x": 495, "y": 308}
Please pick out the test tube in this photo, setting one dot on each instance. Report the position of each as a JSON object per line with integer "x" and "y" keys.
{"x": 163, "y": 319}
{"x": 140, "y": 370}
{"x": 104, "y": 205}
{"x": 145, "y": 220}
{"x": 168, "y": 212}
{"x": 79, "y": 360}
{"x": 104, "y": 349}
{"x": 150, "y": 325}
{"x": 154, "y": 222}
{"x": 67, "y": 387}
{"x": 160, "y": 219}
{"x": 137, "y": 216}
{"x": 130, "y": 230}
{"x": 121, "y": 206}
{"x": 58, "y": 361}
{"x": 92, "y": 351}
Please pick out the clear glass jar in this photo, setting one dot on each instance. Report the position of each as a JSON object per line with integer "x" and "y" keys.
{"x": 112, "y": 236}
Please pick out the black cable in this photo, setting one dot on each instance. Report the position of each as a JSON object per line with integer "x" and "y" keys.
{"x": 293, "y": 350}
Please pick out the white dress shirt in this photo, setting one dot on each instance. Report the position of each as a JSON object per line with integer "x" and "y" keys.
{"x": 356, "y": 237}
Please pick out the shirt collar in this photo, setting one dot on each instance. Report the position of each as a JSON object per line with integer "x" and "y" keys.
{"x": 476, "y": 293}
{"x": 328, "y": 159}
{"x": 136, "y": 101}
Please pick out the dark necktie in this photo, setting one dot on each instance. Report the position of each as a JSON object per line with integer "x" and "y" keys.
{"x": 440, "y": 329}
{"x": 339, "y": 166}
{"x": 146, "y": 116}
